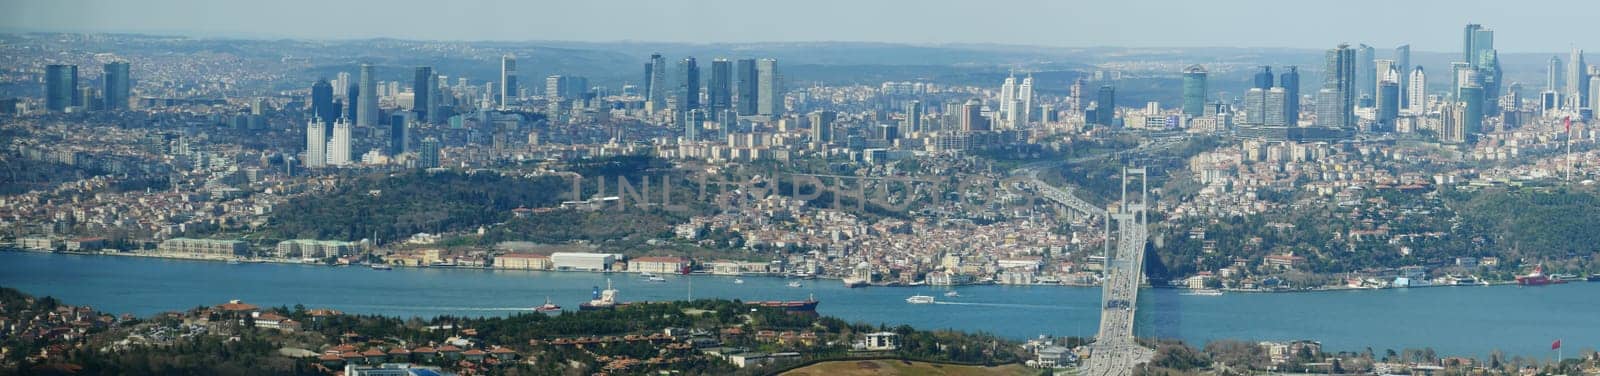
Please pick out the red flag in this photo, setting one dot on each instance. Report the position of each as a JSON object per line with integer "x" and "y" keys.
{"x": 1555, "y": 345}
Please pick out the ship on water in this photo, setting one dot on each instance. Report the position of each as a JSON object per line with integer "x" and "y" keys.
{"x": 793, "y": 306}
{"x": 920, "y": 299}
{"x": 853, "y": 282}
{"x": 603, "y": 299}
{"x": 547, "y": 307}
{"x": 1538, "y": 278}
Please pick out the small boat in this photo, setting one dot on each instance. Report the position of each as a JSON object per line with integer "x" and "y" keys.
{"x": 920, "y": 299}
{"x": 795, "y": 284}
{"x": 646, "y": 275}
{"x": 951, "y": 294}
{"x": 381, "y": 267}
{"x": 1204, "y": 292}
{"x": 547, "y": 307}
{"x": 655, "y": 279}
{"x": 738, "y": 281}
{"x": 1594, "y": 277}
{"x": 234, "y": 262}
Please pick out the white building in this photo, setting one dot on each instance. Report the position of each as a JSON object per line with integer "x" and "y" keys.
{"x": 593, "y": 262}
{"x": 316, "y": 145}
{"x": 339, "y": 146}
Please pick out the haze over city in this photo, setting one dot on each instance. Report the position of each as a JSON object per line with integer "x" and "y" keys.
{"x": 1546, "y": 26}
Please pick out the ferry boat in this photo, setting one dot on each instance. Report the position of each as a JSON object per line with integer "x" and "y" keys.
{"x": 853, "y": 282}
{"x": 920, "y": 299}
{"x": 1537, "y": 278}
{"x": 547, "y": 307}
{"x": 1203, "y": 292}
{"x": 381, "y": 267}
{"x": 795, "y": 284}
{"x": 809, "y": 305}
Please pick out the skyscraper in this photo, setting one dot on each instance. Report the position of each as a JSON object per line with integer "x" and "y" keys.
{"x": 719, "y": 87}
{"x": 822, "y": 126}
{"x": 1418, "y": 92}
{"x": 352, "y": 95}
{"x": 117, "y": 85}
{"x": 367, "y": 112}
{"x": 913, "y": 122}
{"x": 339, "y": 146}
{"x": 1402, "y": 64}
{"x": 428, "y": 154}
{"x": 1008, "y": 91}
{"x": 1194, "y": 88}
{"x": 1594, "y": 92}
{"x": 1577, "y": 84}
{"x": 1329, "y": 113}
{"x": 1255, "y": 106}
{"x": 687, "y": 92}
{"x": 1468, "y": 54}
{"x": 60, "y": 87}
{"x": 769, "y": 93}
{"x": 399, "y": 137}
{"x": 655, "y": 86}
{"x": 1472, "y": 113}
{"x": 1274, "y": 107}
{"x": 1339, "y": 76}
{"x": 1025, "y": 96}
{"x": 508, "y": 79}
{"x": 1366, "y": 71}
{"x": 1555, "y": 80}
{"x": 422, "y": 83}
{"x": 1290, "y": 82}
{"x": 1388, "y": 103}
{"x": 1263, "y": 78}
{"x": 1106, "y": 108}
{"x": 316, "y": 144}
{"x": 972, "y": 117}
{"x": 748, "y": 85}
{"x": 322, "y": 107}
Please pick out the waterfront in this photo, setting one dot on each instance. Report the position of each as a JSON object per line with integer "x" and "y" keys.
{"x": 1452, "y": 320}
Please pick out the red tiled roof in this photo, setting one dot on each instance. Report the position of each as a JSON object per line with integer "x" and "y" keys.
{"x": 502, "y": 350}
{"x": 424, "y": 350}
{"x": 473, "y": 352}
{"x": 373, "y": 352}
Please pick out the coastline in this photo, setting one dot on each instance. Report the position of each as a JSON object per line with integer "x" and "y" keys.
{"x": 157, "y": 255}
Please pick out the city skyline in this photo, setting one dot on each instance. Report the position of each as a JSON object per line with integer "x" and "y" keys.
{"x": 1046, "y": 24}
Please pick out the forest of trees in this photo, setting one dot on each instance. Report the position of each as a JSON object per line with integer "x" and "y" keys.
{"x": 397, "y": 205}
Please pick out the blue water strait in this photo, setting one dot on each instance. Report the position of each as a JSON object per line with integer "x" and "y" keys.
{"x": 1470, "y": 321}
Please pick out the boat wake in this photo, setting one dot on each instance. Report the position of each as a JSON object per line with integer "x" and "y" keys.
{"x": 1006, "y": 305}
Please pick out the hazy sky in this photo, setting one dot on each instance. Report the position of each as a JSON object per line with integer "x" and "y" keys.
{"x": 1428, "y": 25}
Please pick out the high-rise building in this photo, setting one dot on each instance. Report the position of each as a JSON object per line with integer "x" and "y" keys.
{"x": 1329, "y": 111}
{"x": 1417, "y": 102}
{"x": 972, "y": 117}
{"x": 508, "y": 80}
{"x": 322, "y": 107}
{"x": 1263, "y": 78}
{"x": 1577, "y": 82}
{"x": 1388, "y": 103}
{"x": 1106, "y": 106}
{"x": 1339, "y": 76}
{"x": 1025, "y": 95}
{"x": 719, "y": 87}
{"x": 1008, "y": 92}
{"x": 655, "y": 85}
{"x": 1555, "y": 80}
{"x": 1402, "y": 64}
{"x": 913, "y": 122}
{"x": 687, "y": 92}
{"x": 316, "y": 144}
{"x": 1594, "y": 92}
{"x": 1290, "y": 81}
{"x": 117, "y": 85}
{"x": 428, "y": 154}
{"x": 1075, "y": 95}
{"x": 1472, "y": 113}
{"x": 339, "y": 145}
{"x": 367, "y": 112}
{"x": 1275, "y": 107}
{"x": 822, "y": 126}
{"x": 352, "y": 96}
{"x": 60, "y": 87}
{"x": 399, "y": 137}
{"x": 1469, "y": 54}
{"x": 1366, "y": 71}
{"x": 769, "y": 91}
{"x": 748, "y": 82}
{"x": 1194, "y": 88}
{"x": 1255, "y": 106}
{"x": 422, "y": 83}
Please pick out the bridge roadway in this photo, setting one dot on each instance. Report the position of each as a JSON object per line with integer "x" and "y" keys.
{"x": 1115, "y": 351}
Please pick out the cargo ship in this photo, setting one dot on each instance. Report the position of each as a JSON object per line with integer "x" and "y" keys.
{"x": 1537, "y": 278}
{"x": 603, "y": 299}
{"x": 809, "y": 305}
